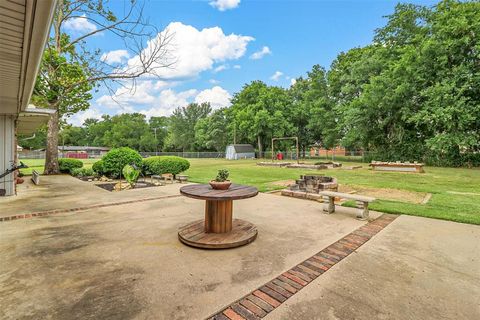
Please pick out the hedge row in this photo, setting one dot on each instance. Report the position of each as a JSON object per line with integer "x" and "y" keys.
{"x": 165, "y": 164}
{"x": 113, "y": 162}
{"x": 66, "y": 165}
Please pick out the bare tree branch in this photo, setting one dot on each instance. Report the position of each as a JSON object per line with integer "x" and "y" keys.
{"x": 142, "y": 40}
{"x": 148, "y": 47}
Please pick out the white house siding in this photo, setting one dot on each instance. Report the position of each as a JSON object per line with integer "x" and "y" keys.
{"x": 7, "y": 152}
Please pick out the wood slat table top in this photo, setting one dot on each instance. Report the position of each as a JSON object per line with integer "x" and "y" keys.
{"x": 205, "y": 192}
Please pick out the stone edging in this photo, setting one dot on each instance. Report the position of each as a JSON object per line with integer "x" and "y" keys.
{"x": 57, "y": 211}
{"x": 258, "y": 303}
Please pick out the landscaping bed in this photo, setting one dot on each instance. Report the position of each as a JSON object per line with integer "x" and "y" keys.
{"x": 111, "y": 186}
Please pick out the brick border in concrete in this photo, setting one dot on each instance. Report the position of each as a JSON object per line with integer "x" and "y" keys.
{"x": 263, "y": 300}
{"x": 57, "y": 211}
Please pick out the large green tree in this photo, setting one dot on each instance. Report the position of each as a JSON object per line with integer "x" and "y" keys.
{"x": 71, "y": 67}
{"x": 260, "y": 113}
{"x": 159, "y": 127}
{"x": 130, "y": 130}
{"x": 182, "y": 124}
{"x": 413, "y": 94}
{"x": 312, "y": 111}
{"x": 211, "y": 132}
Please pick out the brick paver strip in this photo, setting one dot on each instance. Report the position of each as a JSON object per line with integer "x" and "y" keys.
{"x": 263, "y": 300}
{"x": 57, "y": 211}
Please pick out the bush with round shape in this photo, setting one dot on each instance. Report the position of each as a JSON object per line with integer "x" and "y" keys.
{"x": 67, "y": 165}
{"x": 82, "y": 172}
{"x": 97, "y": 167}
{"x": 165, "y": 164}
{"x": 116, "y": 159}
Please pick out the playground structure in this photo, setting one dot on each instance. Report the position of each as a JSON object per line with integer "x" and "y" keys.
{"x": 285, "y": 138}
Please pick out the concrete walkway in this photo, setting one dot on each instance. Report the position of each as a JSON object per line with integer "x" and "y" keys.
{"x": 416, "y": 268}
{"x": 65, "y": 192}
{"x": 125, "y": 261}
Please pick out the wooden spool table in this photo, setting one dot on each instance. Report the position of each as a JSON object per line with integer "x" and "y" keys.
{"x": 218, "y": 230}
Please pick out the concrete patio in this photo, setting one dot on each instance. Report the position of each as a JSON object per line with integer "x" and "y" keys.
{"x": 125, "y": 261}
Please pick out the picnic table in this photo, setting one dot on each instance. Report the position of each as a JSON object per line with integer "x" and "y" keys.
{"x": 218, "y": 230}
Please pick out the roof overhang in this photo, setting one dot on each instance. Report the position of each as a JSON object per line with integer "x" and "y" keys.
{"x": 30, "y": 119}
{"x": 24, "y": 30}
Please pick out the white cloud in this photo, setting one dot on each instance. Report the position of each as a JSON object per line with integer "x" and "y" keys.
{"x": 217, "y": 96}
{"x": 293, "y": 81}
{"x": 79, "y": 118}
{"x": 115, "y": 56}
{"x": 80, "y": 25}
{"x": 237, "y": 66}
{"x": 220, "y": 68}
{"x": 276, "y": 76}
{"x": 143, "y": 93}
{"x": 223, "y": 5}
{"x": 194, "y": 51}
{"x": 213, "y": 81}
{"x": 159, "y": 99}
{"x": 167, "y": 101}
{"x": 260, "y": 54}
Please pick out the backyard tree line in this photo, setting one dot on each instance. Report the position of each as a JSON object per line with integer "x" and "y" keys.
{"x": 412, "y": 94}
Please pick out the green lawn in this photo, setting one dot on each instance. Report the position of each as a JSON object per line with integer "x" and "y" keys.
{"x": 38, "y": 165}
{"x": 440, "y": 182}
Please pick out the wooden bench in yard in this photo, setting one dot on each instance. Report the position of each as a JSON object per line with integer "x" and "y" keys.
{"x": 35, "y": 177}
{"x": 362, "y": 202}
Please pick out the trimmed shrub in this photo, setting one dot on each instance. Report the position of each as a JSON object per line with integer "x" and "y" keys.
{"x": 97, "y": 167}
{"x": 67, "y": 165}
{"x": 116, "y": 159}
{"x": 82, "y": 172}
{"x": 165, "y": 164}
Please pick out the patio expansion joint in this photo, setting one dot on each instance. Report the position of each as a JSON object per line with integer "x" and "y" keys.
{"x": 263, "y": 300}
{"x": 76, "y": 209}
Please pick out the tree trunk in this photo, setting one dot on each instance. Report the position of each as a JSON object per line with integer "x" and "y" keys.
{"x": 51, "y": 153}
{"x": 260, "y": 147}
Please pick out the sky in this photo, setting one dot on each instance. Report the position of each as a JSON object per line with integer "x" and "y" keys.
{"x": 220, "y": 45}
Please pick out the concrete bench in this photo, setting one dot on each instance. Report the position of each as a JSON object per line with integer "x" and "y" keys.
{"x": 182, "y": 178}
{"x": 35, "y": 177}
{"x": 362, "y": 202}
{"x": 167, "y": 176}
{"x": 158, "y": 178}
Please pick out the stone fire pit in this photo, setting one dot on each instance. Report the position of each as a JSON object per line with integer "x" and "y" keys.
{"x": 308, "y": 186}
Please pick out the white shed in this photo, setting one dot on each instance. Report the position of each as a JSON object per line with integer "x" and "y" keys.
{"x": 239, "y": 151}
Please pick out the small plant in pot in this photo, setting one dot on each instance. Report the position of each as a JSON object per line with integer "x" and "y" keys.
{"x": 221, "y": 182}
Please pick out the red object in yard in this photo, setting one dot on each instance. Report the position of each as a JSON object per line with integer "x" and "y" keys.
{"x": 77, "y": 155}
{"x": 279, "y": 156}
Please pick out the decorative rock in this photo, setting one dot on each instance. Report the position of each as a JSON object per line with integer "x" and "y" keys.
{"x": 314, "y": 183}
{"x": 314, "y": 196}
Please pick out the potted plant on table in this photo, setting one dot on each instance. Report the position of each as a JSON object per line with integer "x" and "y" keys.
{"x": 221, "y": 182}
